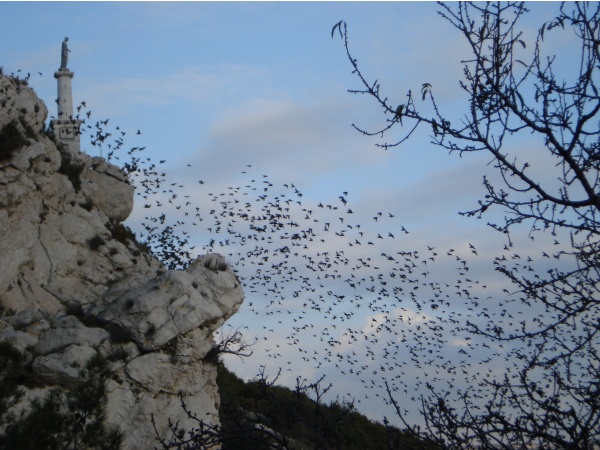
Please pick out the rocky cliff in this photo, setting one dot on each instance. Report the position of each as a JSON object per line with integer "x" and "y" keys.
{"x": 75, "y": 283}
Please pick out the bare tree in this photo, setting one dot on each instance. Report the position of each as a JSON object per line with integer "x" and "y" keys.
{"x": 551, "y": 396}
{"x": 231, "y": 342}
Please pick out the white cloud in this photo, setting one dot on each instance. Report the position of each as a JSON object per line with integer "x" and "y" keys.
{"x": 292, "y": 141}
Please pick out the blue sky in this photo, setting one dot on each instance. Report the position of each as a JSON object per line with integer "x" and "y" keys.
{"x": 221, "y": 86}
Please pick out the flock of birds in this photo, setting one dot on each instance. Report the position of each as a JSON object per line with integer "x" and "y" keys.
{"x": 334, "y": 289}
{"x": 329, "y": 293}
{"x": 331, "y": 290}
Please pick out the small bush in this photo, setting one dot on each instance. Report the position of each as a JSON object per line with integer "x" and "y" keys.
{"x": 29, "y": 131}
{"x": 71, "y": 169}
{"x": 117, "y": 353}
{"x": 96, "y": 242}
{"x": 125, "y": 236}
{"x": 49, "y": 132}
{"x": 11, "y": 140}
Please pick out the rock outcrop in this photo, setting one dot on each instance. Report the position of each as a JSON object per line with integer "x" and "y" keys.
{"x": 74, "y": 283}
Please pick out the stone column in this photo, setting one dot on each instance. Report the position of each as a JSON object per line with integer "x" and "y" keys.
{"x": 65, "y": 95}
{"x": 66, "y": 127}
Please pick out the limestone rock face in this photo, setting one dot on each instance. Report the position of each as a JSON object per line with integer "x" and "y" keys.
{"x": 72, "y": 286}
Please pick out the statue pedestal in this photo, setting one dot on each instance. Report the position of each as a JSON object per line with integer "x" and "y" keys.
{"x": 66, "y": 127}
{"x": 67, "y": 132}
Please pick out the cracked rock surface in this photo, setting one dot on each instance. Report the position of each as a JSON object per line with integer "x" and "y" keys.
{"x": 70, "y": 289}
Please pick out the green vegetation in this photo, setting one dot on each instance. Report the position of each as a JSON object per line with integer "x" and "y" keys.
{"x": 299, "y": 421}
{"x": 59, "y": 420}
{"x": 29, "y": 131}
{"x": 11, "y": 140}
{"x": 70, "y": 168}
{"x": 125, "y": 236}
{"x": 11, "y": 366}
{"x": 96, "y": 242}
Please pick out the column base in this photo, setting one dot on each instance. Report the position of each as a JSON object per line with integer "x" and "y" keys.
{"x": 67, "y": 133}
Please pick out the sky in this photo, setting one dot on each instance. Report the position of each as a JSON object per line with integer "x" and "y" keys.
{"x": 228, "y": 92}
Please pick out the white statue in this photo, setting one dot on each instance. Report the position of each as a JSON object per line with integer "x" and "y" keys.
{"x": 64, "y": 55}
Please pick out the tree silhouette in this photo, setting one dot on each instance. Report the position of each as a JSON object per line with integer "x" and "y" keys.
{"x": 550, "y": 396}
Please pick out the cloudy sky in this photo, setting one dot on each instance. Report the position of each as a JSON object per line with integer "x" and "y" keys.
{"x": 217, "y": 87}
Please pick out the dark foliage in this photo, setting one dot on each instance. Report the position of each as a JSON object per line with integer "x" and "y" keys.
{"x": 96, "y": 242}
{"x": 125, "y": 236}
{"x": 11, "y": 366}
{"x": 29, "y": 131}
{"x": 58, "y": 420}
{"x": 70, "y": 168}
{"x": 260, "y": 415}
{"x": 11, "y": 140}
